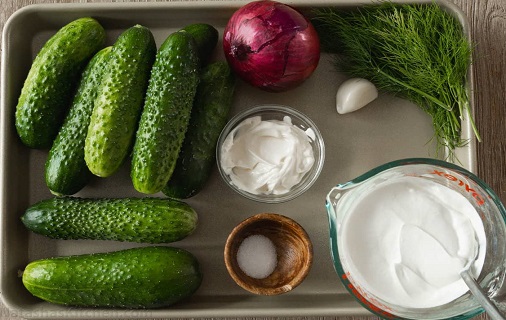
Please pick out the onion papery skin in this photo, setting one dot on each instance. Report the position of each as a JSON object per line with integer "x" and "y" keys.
{"x": 271, "y": 45}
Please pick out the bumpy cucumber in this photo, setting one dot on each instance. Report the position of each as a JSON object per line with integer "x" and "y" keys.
{"x": 149, "y": 220}
{"x": 166, "y": 113}
{"x": 209, "y": 115}
{"x": 206, "y": 38}
{"x": 119, "y": 101}
{"x": 148, "y": 277}
{"x": 48, "y": 88}
{"x": 66, "y": 171}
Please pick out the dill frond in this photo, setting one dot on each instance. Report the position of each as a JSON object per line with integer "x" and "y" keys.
{"x": 418, "y": 52}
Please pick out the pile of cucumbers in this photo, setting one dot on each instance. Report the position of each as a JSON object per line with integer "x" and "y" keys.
{"x": 95, "y": 106}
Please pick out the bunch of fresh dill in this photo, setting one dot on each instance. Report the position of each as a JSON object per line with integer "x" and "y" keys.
{"x": 418, "y": 52}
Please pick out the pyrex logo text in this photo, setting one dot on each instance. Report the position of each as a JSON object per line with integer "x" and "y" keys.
{"x": 477, "y": 197}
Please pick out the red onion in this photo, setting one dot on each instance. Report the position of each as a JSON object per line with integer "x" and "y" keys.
{"x": 271, "y": 45}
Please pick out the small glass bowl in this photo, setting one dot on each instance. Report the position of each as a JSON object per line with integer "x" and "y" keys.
{"x": 277, "y": 112}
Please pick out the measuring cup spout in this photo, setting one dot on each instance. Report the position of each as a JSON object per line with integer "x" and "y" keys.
{"x": 332, "y": 196}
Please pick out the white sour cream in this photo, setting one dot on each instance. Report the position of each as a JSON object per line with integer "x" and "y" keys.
{"x": 267, "y": 156}
{"x": 406, "y": 241}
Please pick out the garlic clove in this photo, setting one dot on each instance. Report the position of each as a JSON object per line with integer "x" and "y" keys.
{"x": 354, "y": 94}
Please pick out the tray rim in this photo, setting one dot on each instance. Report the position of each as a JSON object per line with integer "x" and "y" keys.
{"x": 354, "y": 309}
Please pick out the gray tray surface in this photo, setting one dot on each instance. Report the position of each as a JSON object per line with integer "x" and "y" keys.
{"x": 388, "y": 129}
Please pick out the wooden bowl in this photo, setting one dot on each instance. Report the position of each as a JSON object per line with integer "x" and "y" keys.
{"x": 294, "y": 253}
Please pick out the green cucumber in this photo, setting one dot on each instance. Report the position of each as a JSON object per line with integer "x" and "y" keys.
{"x": 66, "y": 172}
{"x": 209, "y": 115}
{"x": 146, "y": 277}
{"x": 119, "y": 101}
{"x": 147, "y": 220}
{"x": 206, "y": 38}
{"x": 166, "y": 113}
{"x": 48, "y": 89}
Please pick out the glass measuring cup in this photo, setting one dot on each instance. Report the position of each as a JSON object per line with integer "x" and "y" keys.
{"x": 489, "y": 207}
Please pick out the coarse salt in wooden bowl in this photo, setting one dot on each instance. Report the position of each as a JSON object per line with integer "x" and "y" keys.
{"x": 268, "y": 254}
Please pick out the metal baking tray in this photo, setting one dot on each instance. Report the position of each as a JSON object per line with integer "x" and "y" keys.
{"x": 388, "y": 129}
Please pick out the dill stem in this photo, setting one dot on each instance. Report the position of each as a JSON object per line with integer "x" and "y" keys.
{"x": 425, "y": 95}
{"x": 464, "y": 105}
